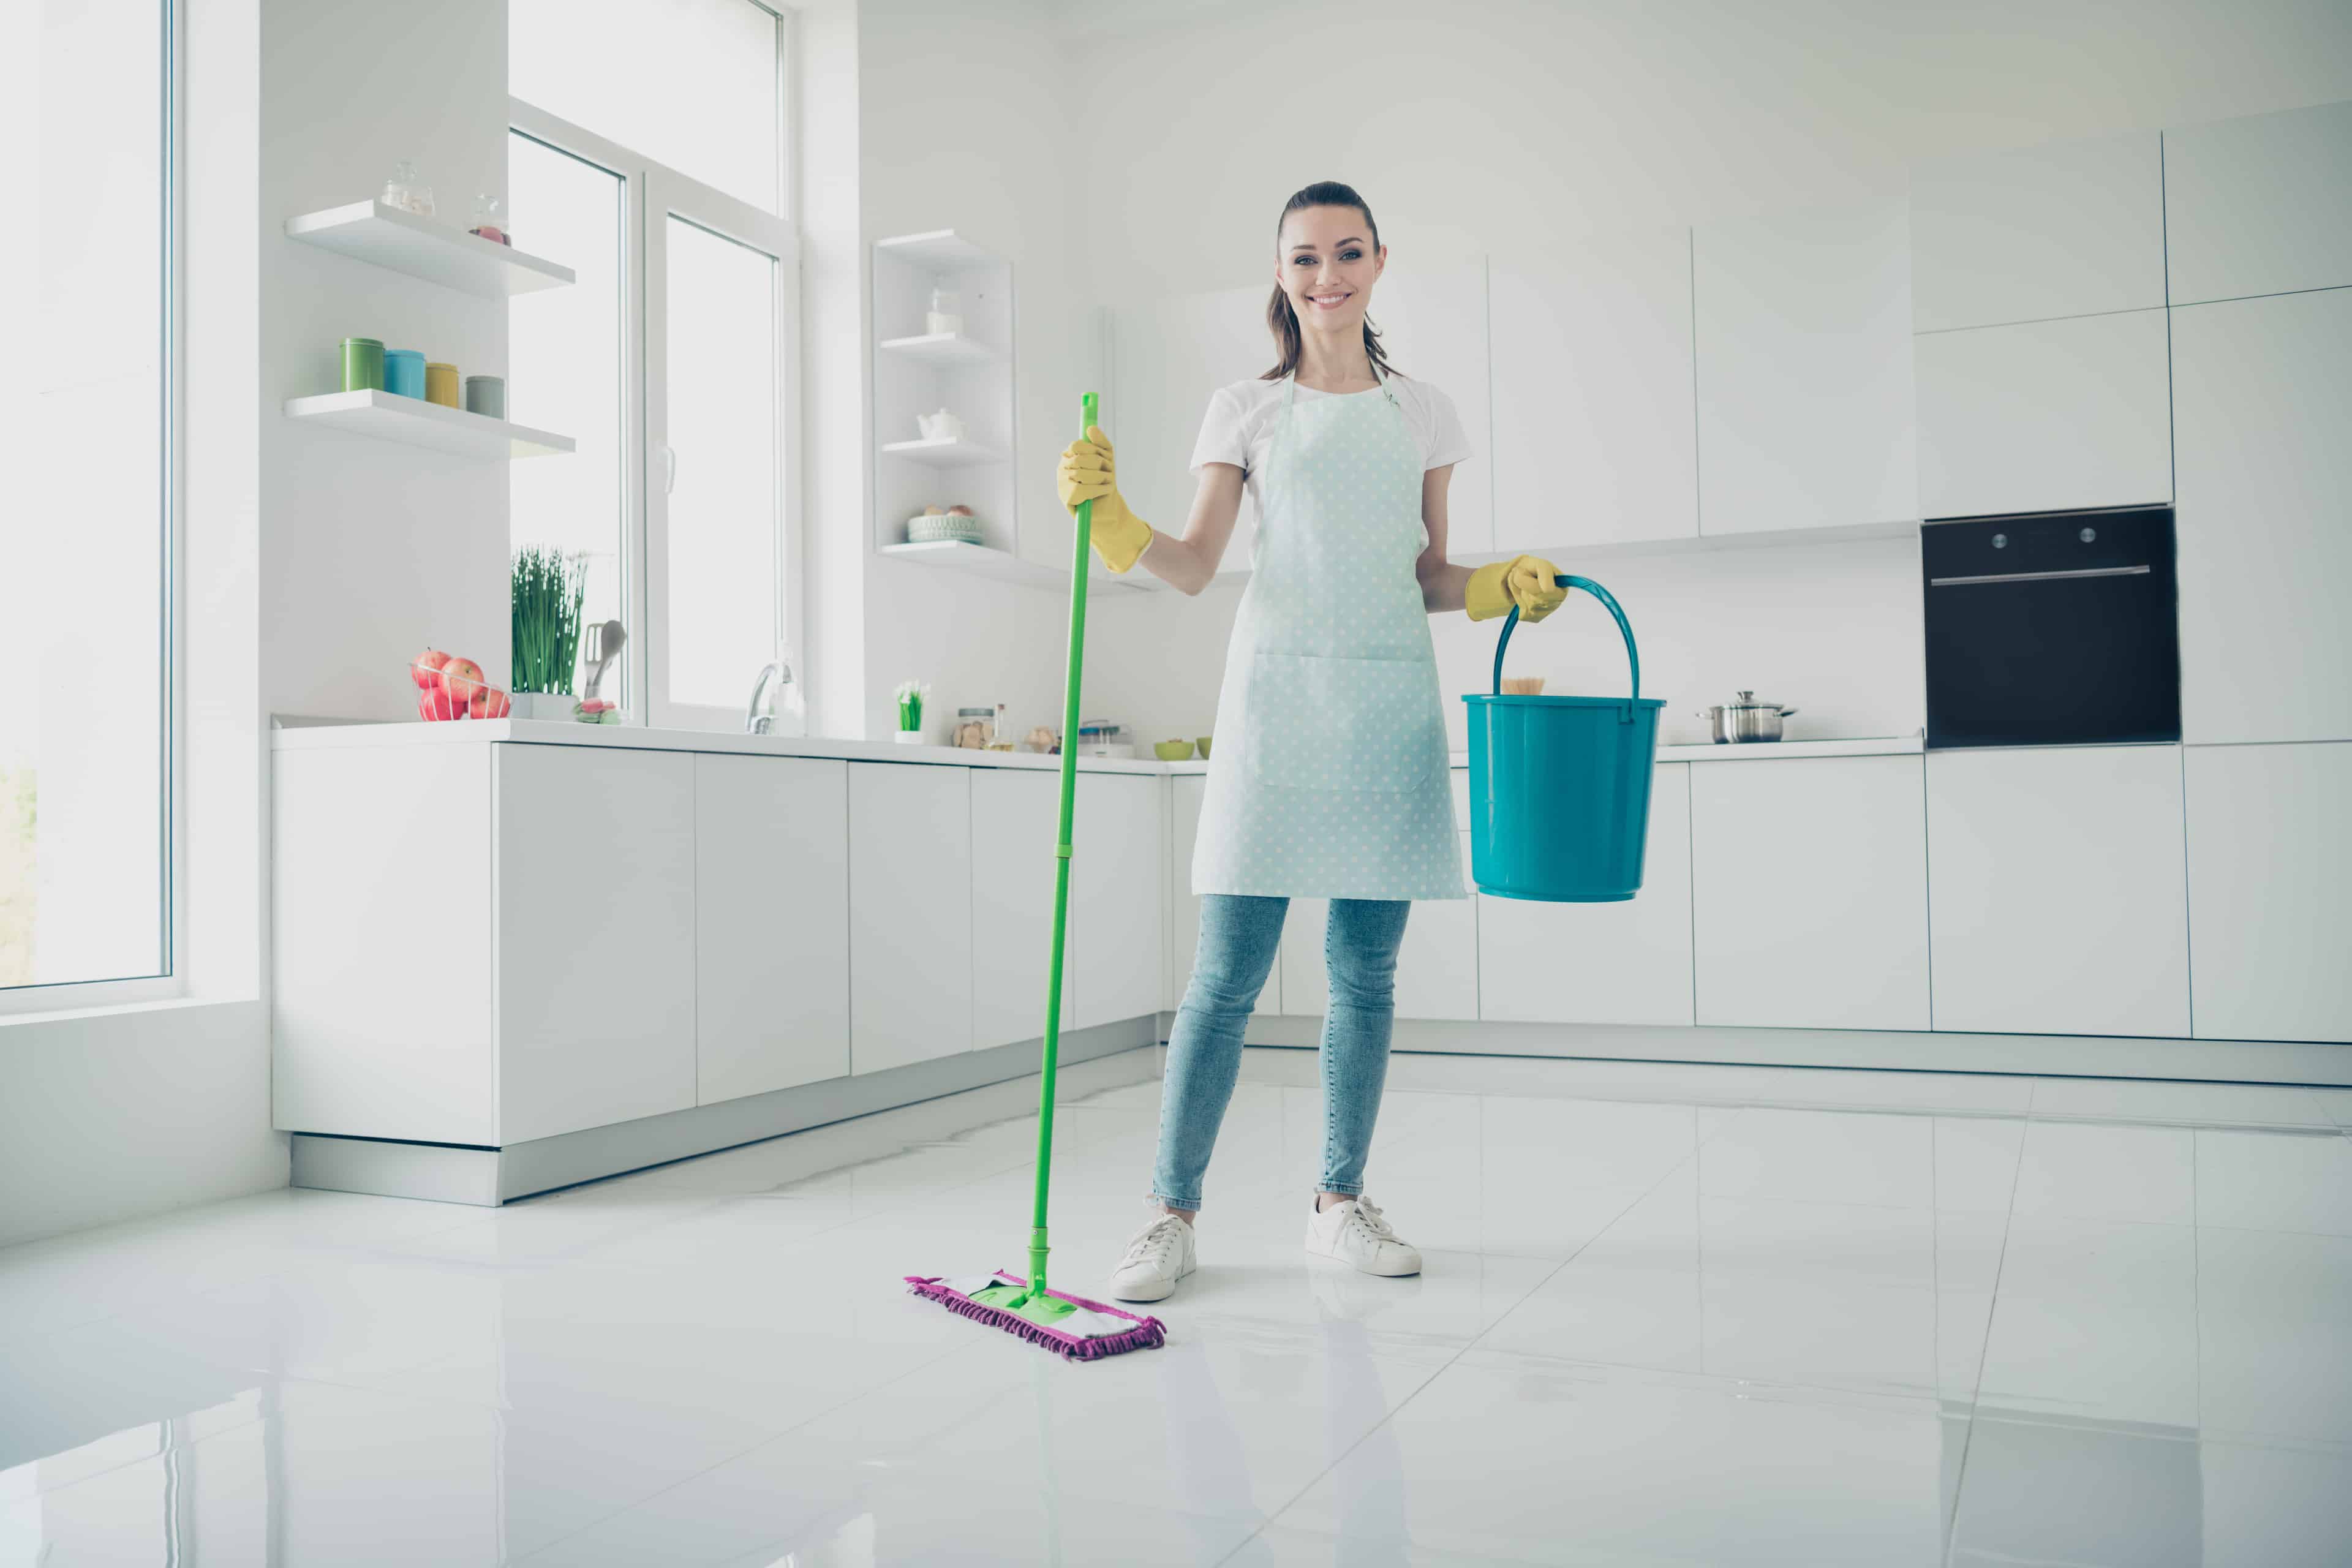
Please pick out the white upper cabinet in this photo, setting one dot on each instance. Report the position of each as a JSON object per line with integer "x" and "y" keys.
{"x": 1118, "y": 860}
{"x": 1601, "y": 963}
{"x": 1015, "y": 814}
{"x": 1167, "y": 357}
{"x": 910, "y": 913}
{"x": 1593, "y": 406}
{"x": 595, "y": 921}
{"x": 771, "y": 924}
{"x": 2059, "y": 903}
{"x": 1803, "y": 327}
{"x": 2259, "y": 205}
{"x": 2262, "y": 423}
{"x": 2269, "y": 891}
{"x": 2045, "y": 416}
{"x": 2069, "y": 228}
{"x": 1433, "y": 325}
{"x": 1809, "y": 893}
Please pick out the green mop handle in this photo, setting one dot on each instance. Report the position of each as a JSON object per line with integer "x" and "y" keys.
{"x": 1078, "y": 561}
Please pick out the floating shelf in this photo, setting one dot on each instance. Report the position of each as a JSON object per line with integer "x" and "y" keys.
{"x": 953, "y": 453}
{"x": 425, "y": 248}
{"x": 414, "y": 422}
{"x": 984, "y": 562}
{"x": 941, "y": 348}
{"x": 935, "y": 251}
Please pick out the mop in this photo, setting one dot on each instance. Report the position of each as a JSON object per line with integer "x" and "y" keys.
{"x": 1067, "y": 1325}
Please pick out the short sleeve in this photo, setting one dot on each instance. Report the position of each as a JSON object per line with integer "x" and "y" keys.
{"x": 1221, "y": 437}
{"x": 1448, "y": 441}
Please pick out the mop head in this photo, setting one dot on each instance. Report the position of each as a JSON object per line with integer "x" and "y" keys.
{"x": 1069, "y": 1326}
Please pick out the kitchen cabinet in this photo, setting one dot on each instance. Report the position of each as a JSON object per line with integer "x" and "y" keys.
{"x": 2066, "y": 228}
{"x": 2262, "y": 402}
{"x": 1432, "y": 322}
{"x": 2045, "y": 416}
{"x": 910, "y": 917}
{"x": 1625, "y": 963}
{"x": 2260, "y": 204}
{"x": 595, "y": 937}
{"x": 1593, "y": 400}
{"x": 1016, "y": 814}
{"x": 1167, "y": 357}
{"x": 771, "y": 924}
{"x": 2059, "y": 903}
{"x": 2269, "y": 891}
{"x": 1116, "y": 899}
{"x": 1804, "y": 389}
{"x": 1809, "y": 893}
{"x": 1186, "y": 793}
{"x": 1437, "y": 963}
{"x": 1305, "y": 973}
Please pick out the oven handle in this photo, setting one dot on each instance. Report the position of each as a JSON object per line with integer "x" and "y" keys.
{"x": 2040, "y": 577}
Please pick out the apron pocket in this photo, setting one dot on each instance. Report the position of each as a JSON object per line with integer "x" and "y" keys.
{"x": 1344, "y": 723}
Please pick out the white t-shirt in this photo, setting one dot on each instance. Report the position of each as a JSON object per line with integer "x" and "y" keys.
{"x": 1239, "y": 427}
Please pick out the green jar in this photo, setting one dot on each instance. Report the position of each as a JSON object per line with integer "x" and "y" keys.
{"x": 362, "y": 365}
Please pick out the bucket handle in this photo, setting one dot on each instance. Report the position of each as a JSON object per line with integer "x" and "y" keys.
{"x": 1567, "y": 580}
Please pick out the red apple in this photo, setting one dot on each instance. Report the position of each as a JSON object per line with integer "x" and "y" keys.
{"x": 461, "y": 677}
{"x": 436, "y": 705}
{"x": 425, "y": 667}
{"x": 490, "y": 702}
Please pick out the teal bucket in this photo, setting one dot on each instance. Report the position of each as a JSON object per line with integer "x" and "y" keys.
{"x": 1559, "y": 786}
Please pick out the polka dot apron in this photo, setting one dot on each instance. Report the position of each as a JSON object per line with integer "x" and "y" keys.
{"x": 1329, "y": 774}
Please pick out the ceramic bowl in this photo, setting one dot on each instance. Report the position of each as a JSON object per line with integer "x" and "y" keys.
{"x": 1203, "y": 743}
{"x": 1172, "y": 751}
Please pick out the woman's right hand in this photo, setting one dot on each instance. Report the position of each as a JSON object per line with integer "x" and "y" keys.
{"x": 1088, "y": 473}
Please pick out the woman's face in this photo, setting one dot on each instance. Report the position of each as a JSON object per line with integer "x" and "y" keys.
{"x": 1328, "y": 265}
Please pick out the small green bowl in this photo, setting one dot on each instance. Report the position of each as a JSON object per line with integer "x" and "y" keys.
{"x": 1203, "y": 743}
{"x": 1172, "y": 751}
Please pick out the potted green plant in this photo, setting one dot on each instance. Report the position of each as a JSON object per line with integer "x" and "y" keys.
{"x": 549, "y": 589}
{"x": 910, "y": 695}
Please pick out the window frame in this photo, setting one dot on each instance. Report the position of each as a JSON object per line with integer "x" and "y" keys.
{"x": 170, "y": 982}
{"x": 651, "y": 193}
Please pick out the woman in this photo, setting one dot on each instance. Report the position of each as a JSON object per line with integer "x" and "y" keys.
{"x": 1330, "y": 773}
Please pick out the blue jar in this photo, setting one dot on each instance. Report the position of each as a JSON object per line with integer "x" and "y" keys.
{"x": 404, "y": 372}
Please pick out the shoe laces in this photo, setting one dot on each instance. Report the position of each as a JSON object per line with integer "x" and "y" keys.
{"x": 1152, "y": 1243}
{"x": 1373, "y": 1221}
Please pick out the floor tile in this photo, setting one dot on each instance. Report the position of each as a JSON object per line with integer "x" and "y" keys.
{"x": 2274, "y": 1181}
{"x": 2196, "y": 1104}
{"x": 2095, "y": 1321}
{"x": 2082, "y": 1170}
{"x": 2079, "y": 1493}
{"x": 2274, "y": 1357}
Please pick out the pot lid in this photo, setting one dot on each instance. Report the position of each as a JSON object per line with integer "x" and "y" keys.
{"x": 1748, "y": 700}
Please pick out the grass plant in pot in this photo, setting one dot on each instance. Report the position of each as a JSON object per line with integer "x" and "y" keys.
{"x": 549, "y": 590}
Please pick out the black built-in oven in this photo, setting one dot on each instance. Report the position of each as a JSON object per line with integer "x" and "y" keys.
{"x": 2060, "y": 629}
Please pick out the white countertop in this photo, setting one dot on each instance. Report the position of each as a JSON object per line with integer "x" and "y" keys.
{"x": 303, "y": 736}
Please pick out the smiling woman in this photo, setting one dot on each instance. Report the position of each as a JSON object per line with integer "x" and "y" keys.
{"x": 85, "y": 623}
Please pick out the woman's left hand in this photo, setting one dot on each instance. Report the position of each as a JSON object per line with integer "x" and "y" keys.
{"x": 1530, "y": 581}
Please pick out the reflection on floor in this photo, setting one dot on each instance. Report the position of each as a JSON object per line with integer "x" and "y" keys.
{"x": 1671, "y": 1315}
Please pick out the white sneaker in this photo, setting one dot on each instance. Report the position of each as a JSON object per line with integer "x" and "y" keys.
{"x": 1354, "y": 1232}
{"x": 1159, "y": 1255}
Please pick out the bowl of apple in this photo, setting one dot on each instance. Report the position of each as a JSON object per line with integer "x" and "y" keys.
{"x": 451, "y": 687}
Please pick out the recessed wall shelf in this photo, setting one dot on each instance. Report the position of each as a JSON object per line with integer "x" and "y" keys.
{"x": 941, "y": 348}
{"x": 935, "y": 251}
{"x": 981, "y": 561}
{"x": 414, "y": 422}
{"x": 953, "y": 452}
{"x": 425, "y": 248}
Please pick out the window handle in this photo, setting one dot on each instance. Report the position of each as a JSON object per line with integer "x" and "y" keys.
{"x": 670, "y": 469}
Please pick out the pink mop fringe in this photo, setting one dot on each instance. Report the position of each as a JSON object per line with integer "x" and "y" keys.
{"x": 1149, "y": 1333}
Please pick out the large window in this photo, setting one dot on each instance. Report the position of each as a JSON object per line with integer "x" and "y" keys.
{"x": 647, "y": 156}
{"x": 85, "y": 628}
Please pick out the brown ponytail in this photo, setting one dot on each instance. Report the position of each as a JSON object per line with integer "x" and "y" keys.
{"x": 1282, "y": 321}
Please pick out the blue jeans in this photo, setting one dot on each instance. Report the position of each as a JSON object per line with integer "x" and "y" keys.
{"x": 1239, "y": 937}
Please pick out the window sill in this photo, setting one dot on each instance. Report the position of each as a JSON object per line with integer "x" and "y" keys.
{"x": 73, "y": 1016}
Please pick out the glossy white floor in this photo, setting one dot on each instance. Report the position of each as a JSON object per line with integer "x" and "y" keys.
{"x": 1671, "y": 1315}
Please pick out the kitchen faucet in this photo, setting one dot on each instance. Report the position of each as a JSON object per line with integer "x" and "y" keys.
{"x": 756, "y": 723}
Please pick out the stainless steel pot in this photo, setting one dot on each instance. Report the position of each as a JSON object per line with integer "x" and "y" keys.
{"x": 1745, "y": 719}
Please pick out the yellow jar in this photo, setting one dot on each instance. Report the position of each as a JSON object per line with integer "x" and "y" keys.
{"x": 441, "y": 384}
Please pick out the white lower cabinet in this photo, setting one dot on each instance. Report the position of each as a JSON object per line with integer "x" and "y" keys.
{"x": 1809, "y": 892}
{"x": 2269, "y": 891}
{"x": 1183, "y": 904}
{"x": 1015, "y": 816}
{"x": 910, "y": 926}
{"x": 1116, "y": 902}
{"x": 2058, "y": 899}
{"x": 1437, "y": 967}
{"x": 771, "y": 924}
{"x": 596, "y": 916}
{"x": 1306, "y": 981}
{"x": 1625, "y": 963}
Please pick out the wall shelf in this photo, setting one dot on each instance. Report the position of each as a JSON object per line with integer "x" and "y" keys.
{"x": 427, "y": 248}
{"x": 939, "y": 348}
{"x": 935, "y": 251}
{"x": 414, "y": 422}
{"x": 952, "y": 453}
{"x": 981, "y": 561}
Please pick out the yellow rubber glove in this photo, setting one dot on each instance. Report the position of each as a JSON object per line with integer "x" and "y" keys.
{"x": 1087, "y": 473}
{"x": 1527, "y": 580}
